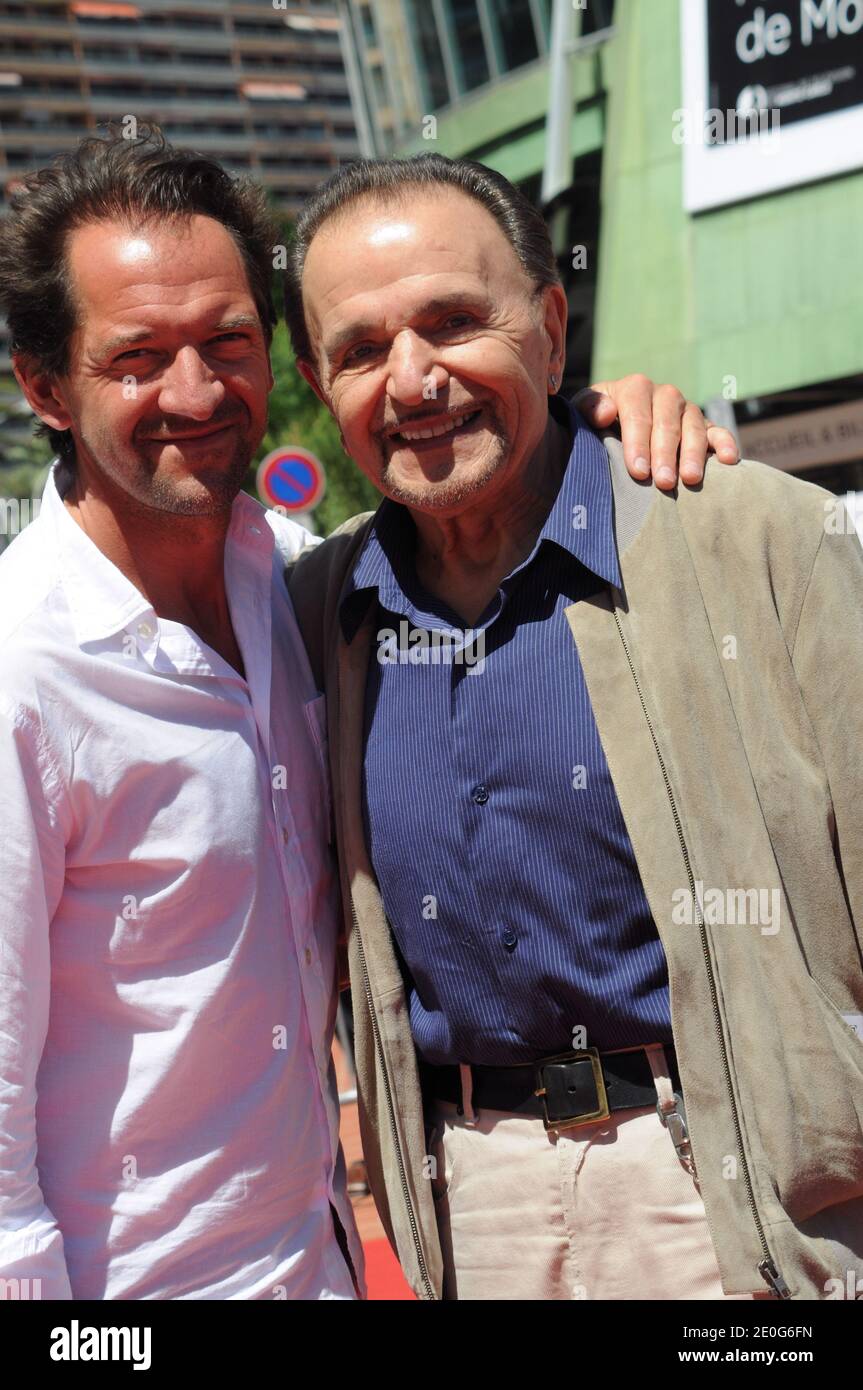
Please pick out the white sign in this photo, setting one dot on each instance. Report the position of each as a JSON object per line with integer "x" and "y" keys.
{"x": 772, "y": 96}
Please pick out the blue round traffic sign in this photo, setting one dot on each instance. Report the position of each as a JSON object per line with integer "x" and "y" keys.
{"x": 291, "y": 479}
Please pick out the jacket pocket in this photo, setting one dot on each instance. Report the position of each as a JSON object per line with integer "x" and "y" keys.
{"x": 848, "y": 1041}
{"x": 810, "y": 1121}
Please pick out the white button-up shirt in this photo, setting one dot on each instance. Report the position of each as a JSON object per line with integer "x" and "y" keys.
{"x": 168, "y": 921}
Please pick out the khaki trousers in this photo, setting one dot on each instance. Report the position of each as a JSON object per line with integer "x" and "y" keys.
{"x": 603, "y": 1211}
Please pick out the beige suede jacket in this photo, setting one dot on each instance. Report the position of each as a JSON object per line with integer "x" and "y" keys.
{"x": 726, "y": 679}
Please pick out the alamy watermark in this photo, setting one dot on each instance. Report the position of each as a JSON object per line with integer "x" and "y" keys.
{"x": 77, "y": 1343}
{"x": 844, "y": 515}
{"x": 20, "y": 1290}
{"x": 417, "y": 646}
{"x": 16, "y": 513}
{"x": 710, "y": 125}
{"x": 756, "y": 907}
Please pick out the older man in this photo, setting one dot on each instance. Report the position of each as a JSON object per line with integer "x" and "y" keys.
{"x": 168, "y": 905}
{"x": 603, "y": 856}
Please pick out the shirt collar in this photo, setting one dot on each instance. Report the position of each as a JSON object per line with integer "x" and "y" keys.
{"x": 582, "y": 518}
{"x": 102, "y": 601}
{"x": 581, "y": 522}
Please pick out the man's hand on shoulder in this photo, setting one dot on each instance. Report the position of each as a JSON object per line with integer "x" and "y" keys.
{"x": 662, "y": 432}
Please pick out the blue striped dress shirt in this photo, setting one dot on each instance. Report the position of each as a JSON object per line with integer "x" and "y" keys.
{"x": 494, "y": 829}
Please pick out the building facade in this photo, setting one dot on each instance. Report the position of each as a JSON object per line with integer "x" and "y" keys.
{"x": 755, "y": 301}
{"x": 729, "y": 271}
{"x": 260, "y": 85}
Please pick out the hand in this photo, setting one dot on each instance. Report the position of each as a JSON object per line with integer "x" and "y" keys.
{"x": 656, "y": 422}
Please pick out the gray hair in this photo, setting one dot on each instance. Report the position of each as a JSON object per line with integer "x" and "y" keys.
{"x": 386, "y": 180}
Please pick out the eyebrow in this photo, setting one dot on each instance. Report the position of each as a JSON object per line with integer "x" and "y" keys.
{"x": 430, "y": 308}
{"x": 127, "y": 340}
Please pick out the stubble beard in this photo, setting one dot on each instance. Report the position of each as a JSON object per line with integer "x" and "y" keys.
{"x": 209, "y": 491}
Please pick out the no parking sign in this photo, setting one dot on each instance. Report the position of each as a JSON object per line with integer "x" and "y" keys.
{"x": 291, "y": 479}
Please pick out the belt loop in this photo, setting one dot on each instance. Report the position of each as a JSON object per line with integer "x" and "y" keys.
{"x": 669, "y": 1106}
{"x": 470, "y": 1116}
{"x": 661, "y": 1077}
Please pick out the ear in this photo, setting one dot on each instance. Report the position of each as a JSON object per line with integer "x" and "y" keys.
{"x": 555, "y": 316}
{"x": 42, "y": 392}
{"x": 309, "y": 374}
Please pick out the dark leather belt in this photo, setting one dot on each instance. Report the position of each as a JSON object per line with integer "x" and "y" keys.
{"x": 573, "y": 1088}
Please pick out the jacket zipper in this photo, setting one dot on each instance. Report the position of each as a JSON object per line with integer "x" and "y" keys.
{"x": 391, "y": 1113}
{"x": 766, "y": 1267}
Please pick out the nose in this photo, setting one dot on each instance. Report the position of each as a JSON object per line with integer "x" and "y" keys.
{"x": 189, "y": 387}
{"x": 414, "y": 373}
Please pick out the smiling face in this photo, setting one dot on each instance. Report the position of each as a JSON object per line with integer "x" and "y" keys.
{"x": 433, "y": 348}
{"x": 169, "y": 373}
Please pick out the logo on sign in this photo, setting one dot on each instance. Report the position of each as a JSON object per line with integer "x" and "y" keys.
{"x": 291, "y": 479}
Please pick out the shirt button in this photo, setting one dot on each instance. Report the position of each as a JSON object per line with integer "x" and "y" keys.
{"x": 508, "y": 937}
{"x": 145, "y": 629}
{"x": 480, "y": 794}
{"x": 308, "y": 956}
{"x": 286, "y": 834}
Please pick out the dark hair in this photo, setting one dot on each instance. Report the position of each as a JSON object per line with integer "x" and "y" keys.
{"x": 388, "y": 179}
{"x": 108, "y": 177}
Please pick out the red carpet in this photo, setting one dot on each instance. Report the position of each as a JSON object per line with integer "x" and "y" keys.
{"x": 383, "y": 1276}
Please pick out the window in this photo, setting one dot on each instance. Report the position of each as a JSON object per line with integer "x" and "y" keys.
{"x": 514, "y": 33}
{"x": 367, "y": 20}
{"x": 379, "y": 87}
{"x": 258, "y": 28}
{"x": 221, "y": 60}
{"x": 428, "y": 53}
{"x": 51, "y": 88}
{"x": 468, "y": 46}
{"x": 598, "y": 15}
{"x": 104, "y": 53}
